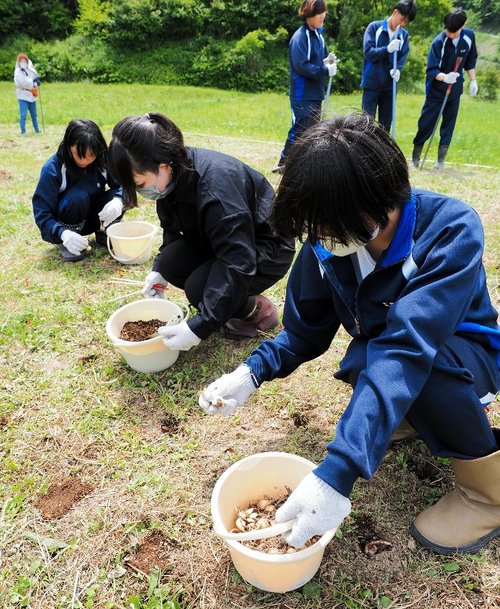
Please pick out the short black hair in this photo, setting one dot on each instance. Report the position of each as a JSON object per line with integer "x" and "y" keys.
{"x": 86, "y": 136}
{"x": 311, "y": 8}
{"x": 455, "y": 20}
{"x": 340, "y": 177}
{"x": 408, "y": 8}
{"x": 139, "y": 144}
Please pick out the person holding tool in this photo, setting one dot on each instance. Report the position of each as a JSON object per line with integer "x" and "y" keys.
{"x": 76, "y": 195}
{"x": 451, "y": 52}
{"x": 381, "y": 41}
{"x": 401, "y": 270}
{"x": 310, "y": 63}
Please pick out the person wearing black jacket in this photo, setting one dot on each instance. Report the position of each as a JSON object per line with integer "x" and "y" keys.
{"x": 218, "y": 245}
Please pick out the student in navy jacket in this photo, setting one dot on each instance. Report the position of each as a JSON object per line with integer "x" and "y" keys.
{"x": 308, "y": 70}
{"x": 456, "y": 42}
{"x": 218, "y": 245}
{"x": 75, "y": 196}
{"x": 401, "y": 270}
{"x": 382, "y": 39}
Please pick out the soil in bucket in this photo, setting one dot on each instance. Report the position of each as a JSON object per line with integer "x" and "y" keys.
{"x": 136, "y": 331}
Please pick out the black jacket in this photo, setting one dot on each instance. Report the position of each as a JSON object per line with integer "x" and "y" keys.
{"x": 221, "y": 206}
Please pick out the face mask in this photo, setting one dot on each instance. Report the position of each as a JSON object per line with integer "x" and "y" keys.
{"x": 152, "y": 192}
{"x": 23, "y": 64}
{"x": 351, "y": 248}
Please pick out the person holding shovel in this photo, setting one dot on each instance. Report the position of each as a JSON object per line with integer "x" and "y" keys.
{"x": 381, "y": 41}
{"x": 27, "y": 81}
{"x": 451, "y": 52}
{"x": 310, "y": 64}
{"x": 75, "y": 195}
{"x": 401, "y": 270}
{"x": 218, "y": 245}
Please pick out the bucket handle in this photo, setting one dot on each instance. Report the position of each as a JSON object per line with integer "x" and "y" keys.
{"x": 276, "y": 529}
{"x": 124, "y": 260}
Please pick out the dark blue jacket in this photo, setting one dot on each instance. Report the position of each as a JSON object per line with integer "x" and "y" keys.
{"x": 307, "y": 50}
{"x": 221, "y": 206}
{"x": 54, "y": 181}
{"x": 442, "y": 57}
{"x": 377, "y": 61}
{"x": 429, "y": 285}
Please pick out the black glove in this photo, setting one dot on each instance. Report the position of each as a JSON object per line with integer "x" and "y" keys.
{"x": 37, "y": 81}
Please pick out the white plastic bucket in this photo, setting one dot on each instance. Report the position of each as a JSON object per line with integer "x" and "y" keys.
{"x": 150, "y": 355}
{"x": 241, "y": 484}
{"x": 131, "y": 242}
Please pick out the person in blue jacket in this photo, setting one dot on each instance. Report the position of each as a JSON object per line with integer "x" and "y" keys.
{"x": 309, "y": 65}
{"x": 381, "y": 40}
{"x": 455, "y": 44}
{"x": 401, "y": 270}
{"x": 75, "y": 195}
{"x": 218, "y": 245}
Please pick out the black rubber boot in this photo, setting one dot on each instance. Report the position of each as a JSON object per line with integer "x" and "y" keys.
{"x": 415, "y": 156}
{"x": 442, "y": 150}
{"x": 68, "y": 256}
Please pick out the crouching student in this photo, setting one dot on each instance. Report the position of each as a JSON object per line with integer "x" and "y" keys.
{"x": 401, "y": 270}
{"x": 75, "y": 195}
{"x": 218, "y": 245}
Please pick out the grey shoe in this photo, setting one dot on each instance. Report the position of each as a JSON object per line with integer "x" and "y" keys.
{"x": 68, "y": 256}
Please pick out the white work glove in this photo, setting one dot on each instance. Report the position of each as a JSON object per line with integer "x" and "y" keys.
{"x": 316, "y": 506}
{"x": 394, "y": 45}
{"x": 154, "y": 278}
{"x": 451, "y": 78}
{"x": 111, "y": 211}
{"x": 228, "y": 392}
{"x": 179, "y": 337}
{"x": 473, "y": 88}
{"x": 330, "y": 64}
{"x": 395, "y": 75}
{"x": 74, "y": 242}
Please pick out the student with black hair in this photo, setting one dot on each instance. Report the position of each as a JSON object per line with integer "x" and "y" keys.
{"x": 455, "y": 43}
{"x": 401, "y": 270}
{"x": 310, "y": 65}
{"x": 381, "y": 40}
{"x": 218, "y": 245}
{"x": 75, "y": 195}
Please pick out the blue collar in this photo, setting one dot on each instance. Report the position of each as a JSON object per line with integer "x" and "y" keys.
{"x": 402, "y": 242}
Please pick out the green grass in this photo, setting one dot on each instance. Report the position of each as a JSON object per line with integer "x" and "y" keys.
{"x": 261, "y": 116}
{"x": 69, "y": 406}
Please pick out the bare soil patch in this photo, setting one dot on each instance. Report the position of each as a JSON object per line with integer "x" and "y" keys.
{"x": 136, "y": 331}
{"x": 371, "y": 541}
{"x": 61, "y": 497}
{"x": 170, "y": 424}
{"x": 153, "y": 552}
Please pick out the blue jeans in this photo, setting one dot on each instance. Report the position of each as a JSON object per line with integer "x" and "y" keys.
{"x": 24, "y": 106}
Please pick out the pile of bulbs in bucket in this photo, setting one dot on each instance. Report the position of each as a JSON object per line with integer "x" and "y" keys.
{"x": 260, "y": 515}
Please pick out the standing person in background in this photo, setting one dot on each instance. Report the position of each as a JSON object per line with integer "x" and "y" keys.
{"x": 27, "y": 81}
{"x": 309, "y": 65}
{"x": 381, "y": 40}
{"x": 218, "y": 245}
{"x": 454, "y": 43}
{"x": 75, "y": 195}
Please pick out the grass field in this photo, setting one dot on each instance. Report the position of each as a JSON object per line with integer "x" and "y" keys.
{"x": 137, "y": 456}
